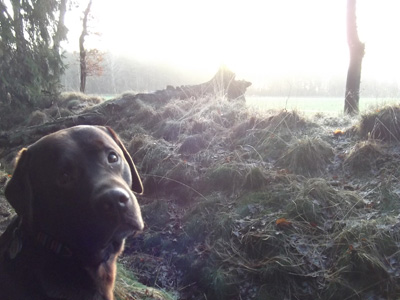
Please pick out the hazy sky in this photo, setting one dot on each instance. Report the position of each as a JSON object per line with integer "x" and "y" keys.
{"x": 257, "y": 39}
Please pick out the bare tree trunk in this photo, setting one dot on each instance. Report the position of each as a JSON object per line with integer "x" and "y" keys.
{"x": 61, "y": 29}
{"x": 356, "y": 49}
{"x": 60, "y": 35}
{"x": 82, "y": 50}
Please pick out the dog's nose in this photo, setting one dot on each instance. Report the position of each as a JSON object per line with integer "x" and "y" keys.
{"x": 117, "y": 202}
{"x": 115, "y": 199}
{"x": 121, "y": 196}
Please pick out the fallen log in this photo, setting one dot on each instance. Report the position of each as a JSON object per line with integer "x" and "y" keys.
{"x": 222, "y": 84}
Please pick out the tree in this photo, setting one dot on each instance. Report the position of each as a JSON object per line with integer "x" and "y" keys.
{"x": 82, "y": 50}
{"x": 356, "y": 49}
{"x": 90, "y": 60}
{"x": 30, "y": 57}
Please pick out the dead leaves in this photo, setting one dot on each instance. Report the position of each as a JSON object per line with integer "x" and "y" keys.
{"x": 283, "y": 223}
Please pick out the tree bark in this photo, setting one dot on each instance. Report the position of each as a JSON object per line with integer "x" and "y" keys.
{"x": 356, "y": 50}
{"x": 82, "y": 50}
{"x": 61, "y": 32}
{"x": 59, "y": 36}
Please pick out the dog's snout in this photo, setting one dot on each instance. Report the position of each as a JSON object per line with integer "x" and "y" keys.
{"x": 118, "y": 202}
{"x": 116, "y": 198}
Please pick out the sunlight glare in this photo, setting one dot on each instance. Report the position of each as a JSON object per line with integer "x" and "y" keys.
{"x": 254, "y": 38}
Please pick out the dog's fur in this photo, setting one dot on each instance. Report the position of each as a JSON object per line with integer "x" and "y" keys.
{"x": 72, "y": 194}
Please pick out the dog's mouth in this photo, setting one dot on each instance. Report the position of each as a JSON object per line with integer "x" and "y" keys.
{"x": 125, "y": 231}
{"x": 112, "y": 246}
{"x": 122, "y": 231}
{"x": 118, "y": 239}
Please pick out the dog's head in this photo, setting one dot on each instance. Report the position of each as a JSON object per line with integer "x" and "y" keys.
{"x": 76, "y": 185}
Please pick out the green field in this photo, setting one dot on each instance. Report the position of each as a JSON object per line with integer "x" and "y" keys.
{"x": 311, "y": 105}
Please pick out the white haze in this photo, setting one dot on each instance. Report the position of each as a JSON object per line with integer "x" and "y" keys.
{"x": 257, "y": 39}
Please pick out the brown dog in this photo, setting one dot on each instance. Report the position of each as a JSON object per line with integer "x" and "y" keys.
{"x": 72, "y": 194}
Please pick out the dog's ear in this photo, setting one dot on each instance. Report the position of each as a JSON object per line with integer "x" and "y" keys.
{"x": 18, "y": 189}
{"x": 137, "y": 185}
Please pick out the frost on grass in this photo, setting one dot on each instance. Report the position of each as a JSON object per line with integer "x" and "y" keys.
{"x": 241, "y": 204}
{"x": 365, "y": 156}
{"x": 272, "y": 205}
{"x": 382, "y": 124}
{"x": 307, "y": 156}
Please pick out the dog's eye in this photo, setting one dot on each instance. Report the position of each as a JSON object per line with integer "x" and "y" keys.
{"x": 112, "y": 157}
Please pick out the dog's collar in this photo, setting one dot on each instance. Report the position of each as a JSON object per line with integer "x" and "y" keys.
{"x": 53, "y": 245}
{"x": 42, "y": 239}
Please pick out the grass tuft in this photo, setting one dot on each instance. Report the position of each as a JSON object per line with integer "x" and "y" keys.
{"x": 307, "y": 156}
{"x": 128, "y": 288}
{"x": 364, "y": 157}
{"x": 381, "y": 124}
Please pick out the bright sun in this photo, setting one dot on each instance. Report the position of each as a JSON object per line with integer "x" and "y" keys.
{"x": 253, "y": 38}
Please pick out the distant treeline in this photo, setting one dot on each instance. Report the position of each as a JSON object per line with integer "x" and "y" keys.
{"x": 121, "y": 74}
{"x": 334, "y": 87}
